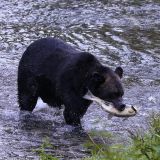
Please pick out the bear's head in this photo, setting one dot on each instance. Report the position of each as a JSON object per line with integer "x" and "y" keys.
{"x": 106, "y": 84}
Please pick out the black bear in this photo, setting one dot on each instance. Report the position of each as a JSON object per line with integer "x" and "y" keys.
{"x": 59, "y": 74}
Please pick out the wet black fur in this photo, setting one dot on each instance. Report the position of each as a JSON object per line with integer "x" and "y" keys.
{"x": 60, "y": 74}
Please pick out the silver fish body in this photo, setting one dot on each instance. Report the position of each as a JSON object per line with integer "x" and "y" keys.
{"x": 108, "y": 107}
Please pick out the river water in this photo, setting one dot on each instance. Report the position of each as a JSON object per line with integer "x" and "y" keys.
{"x": 121, "y": 33}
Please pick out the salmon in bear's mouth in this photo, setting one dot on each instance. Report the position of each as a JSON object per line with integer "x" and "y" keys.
{"x": 129, "y": 110}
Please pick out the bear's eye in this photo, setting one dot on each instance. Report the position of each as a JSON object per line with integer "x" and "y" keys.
{"x": 97, "y": 79}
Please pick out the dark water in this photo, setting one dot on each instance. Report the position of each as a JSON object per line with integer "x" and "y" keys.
{"x": 125, "y": 33}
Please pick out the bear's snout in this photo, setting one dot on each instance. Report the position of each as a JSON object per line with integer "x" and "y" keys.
{"x": 118, "y": 104}
{"x": 122, "y": 107}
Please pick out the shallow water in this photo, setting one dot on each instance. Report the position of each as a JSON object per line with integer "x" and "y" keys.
{"x": 122, "y": 33}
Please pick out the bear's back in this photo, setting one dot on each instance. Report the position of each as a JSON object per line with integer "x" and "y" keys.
{"x": 41, "y": 50}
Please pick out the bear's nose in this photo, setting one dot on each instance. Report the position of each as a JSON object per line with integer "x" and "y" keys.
{"x": 122, "y": 107}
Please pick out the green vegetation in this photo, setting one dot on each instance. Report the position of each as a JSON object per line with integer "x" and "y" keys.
{"x": 144, "y": 146}
{"x": 42, "y": 151}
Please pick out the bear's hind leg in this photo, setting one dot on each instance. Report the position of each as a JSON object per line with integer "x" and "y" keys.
{"x": 27, "y": 102}
{"x": 27, "y": 95}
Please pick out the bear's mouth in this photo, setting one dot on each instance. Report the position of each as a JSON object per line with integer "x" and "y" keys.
{"x": 118, "y": 108}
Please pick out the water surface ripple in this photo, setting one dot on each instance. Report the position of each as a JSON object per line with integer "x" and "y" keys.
{"x": 125, "y": 33}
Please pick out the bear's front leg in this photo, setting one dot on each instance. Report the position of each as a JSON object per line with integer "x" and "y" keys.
{"x": 75, "y": 108}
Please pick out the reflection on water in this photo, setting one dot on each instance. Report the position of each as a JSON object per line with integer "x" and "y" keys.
{"x": 122, "y": 33}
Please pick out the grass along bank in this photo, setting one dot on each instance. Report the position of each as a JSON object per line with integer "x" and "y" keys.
{"x": 143, "y": 147}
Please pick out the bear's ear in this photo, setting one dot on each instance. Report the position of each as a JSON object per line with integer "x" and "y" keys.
{"x": 119, "y": 72}
{"x": 98, "y": 78}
